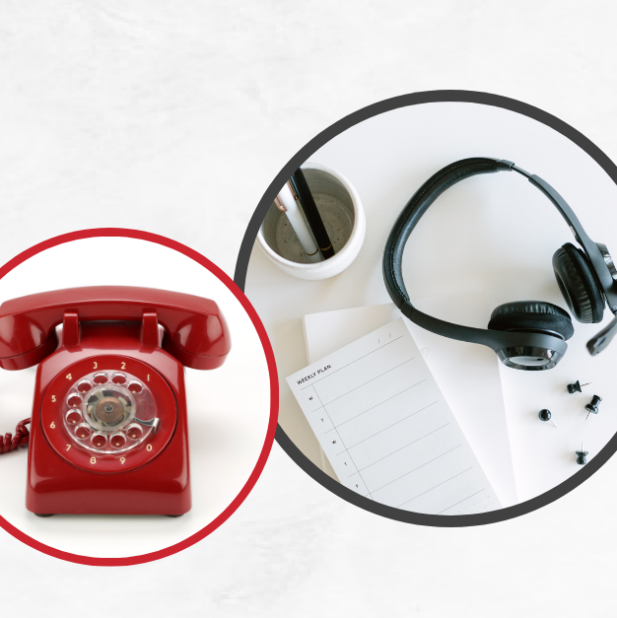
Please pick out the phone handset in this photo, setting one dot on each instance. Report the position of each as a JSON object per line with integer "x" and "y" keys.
{"x": 195, "y": 330}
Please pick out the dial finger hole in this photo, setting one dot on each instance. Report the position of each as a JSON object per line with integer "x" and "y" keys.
{"x": 100, "y": 378}
{"x": 119, "y": 378}
{"x": 135, "y": 387}
{"x": 135, "y": 432}
{"x": 74, "y": 401}
{"x": 73, "y": 418}
{"x": 118, "y": 441}
{"x": 82, "y": 431}
{"x": 84, "y": 386}
{"x": 99, "y": 440}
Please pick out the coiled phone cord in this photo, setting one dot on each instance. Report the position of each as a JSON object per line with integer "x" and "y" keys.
{"x": 10, "y": 443}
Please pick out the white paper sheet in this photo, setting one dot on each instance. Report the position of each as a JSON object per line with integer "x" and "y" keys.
{"x": 467, "y": 374}
{"x": 387, "y": 429}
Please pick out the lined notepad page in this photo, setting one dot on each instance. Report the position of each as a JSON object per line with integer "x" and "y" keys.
{"x": 386, "y": 428}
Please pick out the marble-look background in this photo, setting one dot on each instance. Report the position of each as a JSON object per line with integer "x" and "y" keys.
{"x": 174, "y": 117}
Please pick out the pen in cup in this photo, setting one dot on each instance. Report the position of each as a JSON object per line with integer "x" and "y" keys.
{"x": 341, "y": 210}
{"x": 307, "y": 203}
{"x": 286, "y": 203}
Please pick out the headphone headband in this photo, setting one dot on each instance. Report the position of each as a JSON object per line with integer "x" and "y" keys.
{"x": 419, "y": 204}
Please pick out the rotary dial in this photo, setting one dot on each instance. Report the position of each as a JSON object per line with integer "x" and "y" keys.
{"x": 110, "y": 412}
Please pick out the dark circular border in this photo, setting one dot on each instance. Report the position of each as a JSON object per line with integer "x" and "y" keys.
{"x": 274, "y": 396}
{"x": 436, "y": 96}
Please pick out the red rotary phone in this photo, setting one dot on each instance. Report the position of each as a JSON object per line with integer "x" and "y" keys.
{"x": 109, "y": 425}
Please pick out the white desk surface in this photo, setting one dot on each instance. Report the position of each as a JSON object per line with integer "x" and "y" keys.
{"x": 493, "y": 232}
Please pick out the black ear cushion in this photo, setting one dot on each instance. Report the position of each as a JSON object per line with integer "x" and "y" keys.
{"x": 578, "y": 284}
{"x": 532, "y": 316}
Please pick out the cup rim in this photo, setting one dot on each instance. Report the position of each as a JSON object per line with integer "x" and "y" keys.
{"x": 337, "y": 257}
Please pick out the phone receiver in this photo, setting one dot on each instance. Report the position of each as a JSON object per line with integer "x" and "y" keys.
{"x": 195, "y": 330}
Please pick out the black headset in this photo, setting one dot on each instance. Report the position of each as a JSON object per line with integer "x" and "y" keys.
{"x": 527, "y": 335}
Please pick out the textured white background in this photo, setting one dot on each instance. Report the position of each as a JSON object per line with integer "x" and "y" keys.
{"x": 174, "y": 117}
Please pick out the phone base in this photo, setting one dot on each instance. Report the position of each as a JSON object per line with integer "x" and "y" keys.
{"x": 160, "y": 488}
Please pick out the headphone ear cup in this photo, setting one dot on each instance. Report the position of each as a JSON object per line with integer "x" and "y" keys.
{"x": 578, "y": 284}
{"x": 534, "y": 317}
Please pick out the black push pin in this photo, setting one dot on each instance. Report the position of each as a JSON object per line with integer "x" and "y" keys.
{"x": 581, "y": 457}
{"x": 545, "y": 415}
{"x": 576, "y": 387}
{"x": 592, "y": 406}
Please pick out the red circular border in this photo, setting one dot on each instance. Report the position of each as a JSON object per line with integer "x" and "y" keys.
{"x": 274, "y": 395}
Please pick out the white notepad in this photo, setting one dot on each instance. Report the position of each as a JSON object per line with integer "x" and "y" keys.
{"x": 386, "y": 428}
{"x": 467, "y": 374}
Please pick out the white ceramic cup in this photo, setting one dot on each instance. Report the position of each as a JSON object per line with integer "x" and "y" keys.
{"x": 342, "y": 214}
